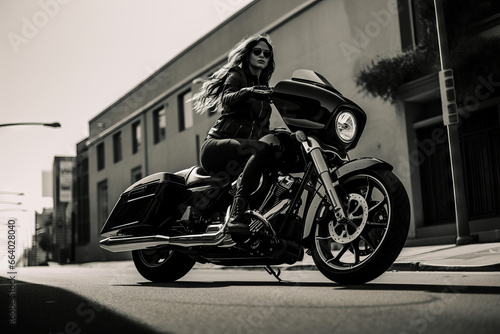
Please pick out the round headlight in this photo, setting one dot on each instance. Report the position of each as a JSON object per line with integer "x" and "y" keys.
{"x": 346, "y": 126}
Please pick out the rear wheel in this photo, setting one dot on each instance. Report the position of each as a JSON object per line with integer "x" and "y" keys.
{"x": 162, "y": 265}
{"x": 365, "y": 245}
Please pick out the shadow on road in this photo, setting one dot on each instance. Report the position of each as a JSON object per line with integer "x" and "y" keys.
{"x": 435, "y": 288}
{"x": 45, "y": 309}
{"x": 221, "y": 284}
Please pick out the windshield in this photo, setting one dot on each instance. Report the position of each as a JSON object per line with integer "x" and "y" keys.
{"x": 314, "y": 78}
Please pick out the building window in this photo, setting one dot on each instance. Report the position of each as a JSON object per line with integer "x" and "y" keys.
{"x": 159, "y": 125}
{"x": 102, "y": 202}
{"x": 136, "y": 137}
{"x": 480, "y": 149}
{"x": 185, "y": 111}
{"x": 100, "y": 156}
{"x": 82, "y": 208}
{"x": 117, "y": 147}
{"x": 413, "y": 27}
{"x": 136, "y": 174}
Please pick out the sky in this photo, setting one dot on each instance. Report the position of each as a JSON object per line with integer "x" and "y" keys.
{"x": 66, "y": 61}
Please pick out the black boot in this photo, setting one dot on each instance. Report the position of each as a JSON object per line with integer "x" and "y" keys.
{"x": 238, "y": 223}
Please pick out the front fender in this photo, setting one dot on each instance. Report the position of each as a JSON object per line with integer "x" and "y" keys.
{"x": 355, "y": 166}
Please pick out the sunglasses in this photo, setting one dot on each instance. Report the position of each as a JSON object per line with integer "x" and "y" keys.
{"x": 258, "y": 51}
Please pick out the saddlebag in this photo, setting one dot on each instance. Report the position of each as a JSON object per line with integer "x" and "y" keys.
{"x": 148, "y": 202}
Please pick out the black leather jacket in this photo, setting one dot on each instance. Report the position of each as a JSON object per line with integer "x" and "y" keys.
{"x": 242, "y": 116}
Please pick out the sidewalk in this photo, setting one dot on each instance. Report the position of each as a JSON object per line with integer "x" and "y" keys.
{"x": 475, "y": 257}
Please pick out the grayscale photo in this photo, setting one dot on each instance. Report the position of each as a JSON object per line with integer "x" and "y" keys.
{"x": 250, "y": 166}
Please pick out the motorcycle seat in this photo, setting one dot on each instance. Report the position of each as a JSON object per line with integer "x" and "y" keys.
{"x": 196, "y": 176}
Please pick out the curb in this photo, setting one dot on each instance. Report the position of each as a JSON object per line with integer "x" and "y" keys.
{"x": 422, "y": 266}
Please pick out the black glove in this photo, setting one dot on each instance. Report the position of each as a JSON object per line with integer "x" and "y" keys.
{"x": 259, "y": 92}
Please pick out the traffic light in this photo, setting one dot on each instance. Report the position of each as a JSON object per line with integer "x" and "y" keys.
{"x": 448, "y": 97}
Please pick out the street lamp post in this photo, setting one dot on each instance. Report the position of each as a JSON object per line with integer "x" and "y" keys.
{"x": 11, "y": 203}
{"x": 8, "y": 210}
{"x": 11, "y": 193}
{"x": 52, "y": 125}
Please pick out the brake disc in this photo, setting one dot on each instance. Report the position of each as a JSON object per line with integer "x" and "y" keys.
{"x": 344, "y": 232}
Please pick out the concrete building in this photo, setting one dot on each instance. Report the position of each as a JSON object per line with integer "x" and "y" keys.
{"x": 39, "y": 253}
{"x": 61, "y": 229}
{"x": 152, "y": 128}
{"x": 81, "y": 209}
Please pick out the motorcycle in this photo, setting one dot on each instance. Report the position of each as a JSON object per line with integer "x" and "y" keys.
{"x": 351, "y": 216}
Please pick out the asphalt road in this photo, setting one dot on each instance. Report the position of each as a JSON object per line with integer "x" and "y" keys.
{"x": 114, "y": 298}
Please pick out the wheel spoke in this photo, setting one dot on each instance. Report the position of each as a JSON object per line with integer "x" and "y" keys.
{"x": 376, "y": 224}
{"x": 369, "y": 190}
{"x": 378, "y": 204}
{"x": 352, "y": 225}
{"x": 355, "y": 250}
{"x": 367, "y": 242}
{"x": 356, "y": 208}
{"x": 324, "y": 248}
{"x": 340, "y": 254}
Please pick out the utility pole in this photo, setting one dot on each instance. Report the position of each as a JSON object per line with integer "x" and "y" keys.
{"x": 451, "y": 120}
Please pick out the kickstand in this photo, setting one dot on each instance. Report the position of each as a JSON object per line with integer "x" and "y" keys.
{"x": 271, "y": 271}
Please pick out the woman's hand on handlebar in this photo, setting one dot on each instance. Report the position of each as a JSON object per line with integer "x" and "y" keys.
{"x": 261, "y": 92}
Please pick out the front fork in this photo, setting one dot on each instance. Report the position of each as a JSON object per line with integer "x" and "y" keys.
{"x": 311, "y": 147}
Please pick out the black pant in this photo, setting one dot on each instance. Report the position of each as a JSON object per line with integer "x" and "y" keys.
{"x": 227, "y": 158}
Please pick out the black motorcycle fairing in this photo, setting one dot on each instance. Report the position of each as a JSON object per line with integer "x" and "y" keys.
{"x": 304, "y": 106}
{"x": 311, "y": 104}
{"x": 309, "y": 97}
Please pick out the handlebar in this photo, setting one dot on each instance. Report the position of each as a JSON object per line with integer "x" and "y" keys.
{"x": 263, "y": 91}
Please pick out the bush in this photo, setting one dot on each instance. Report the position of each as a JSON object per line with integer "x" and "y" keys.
{"x": 472, "y": 57}
{"x": 384, "y": 78}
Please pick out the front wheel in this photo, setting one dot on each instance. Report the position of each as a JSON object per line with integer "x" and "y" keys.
{"x": 365, "y": 245}
{"x": 162, "y": 265}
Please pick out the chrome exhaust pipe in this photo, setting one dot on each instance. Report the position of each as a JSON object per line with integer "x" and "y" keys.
{"x": 131, "y": 243}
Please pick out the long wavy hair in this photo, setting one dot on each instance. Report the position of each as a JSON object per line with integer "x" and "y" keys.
{"x": 208, "y": 98}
